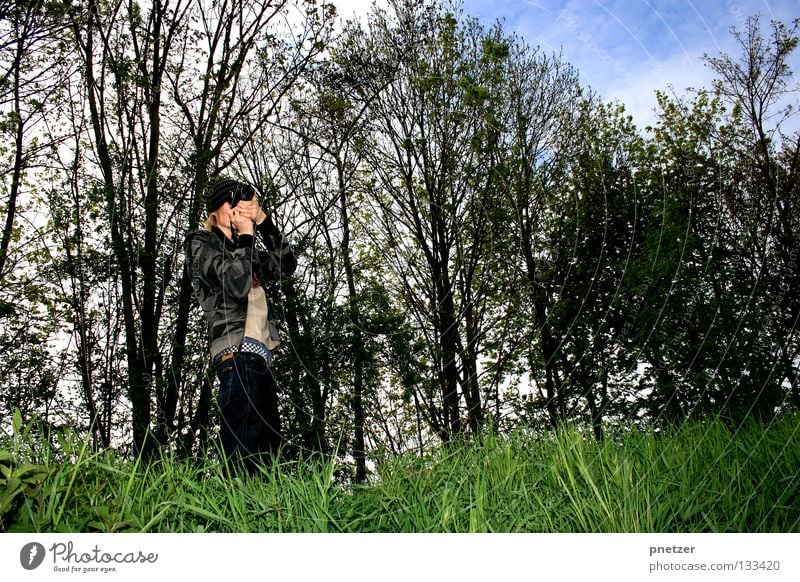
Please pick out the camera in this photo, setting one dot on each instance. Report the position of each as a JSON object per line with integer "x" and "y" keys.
{"x": 241, "y": 192}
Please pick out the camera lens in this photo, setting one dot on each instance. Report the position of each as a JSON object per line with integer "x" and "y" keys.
{"x": 242, "y": 192}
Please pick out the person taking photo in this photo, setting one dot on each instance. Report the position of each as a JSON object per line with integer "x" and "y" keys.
{"x": 228, "y": 270}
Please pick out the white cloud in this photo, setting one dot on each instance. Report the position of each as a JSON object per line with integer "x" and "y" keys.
{"x": 625, "y": 49}
{"x": 628, "y": 49}
{"x": 637, "y": 88}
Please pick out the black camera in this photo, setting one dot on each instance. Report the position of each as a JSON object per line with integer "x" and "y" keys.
{"x": 241, "y": 192}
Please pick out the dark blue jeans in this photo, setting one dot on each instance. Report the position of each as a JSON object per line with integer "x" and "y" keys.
{"x": 248, "y": 404}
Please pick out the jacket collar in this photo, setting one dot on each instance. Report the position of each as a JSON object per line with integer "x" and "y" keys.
{"x": 229, "y": 244}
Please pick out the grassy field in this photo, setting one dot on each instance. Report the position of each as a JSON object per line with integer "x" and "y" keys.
{"x": 701, "y": 477}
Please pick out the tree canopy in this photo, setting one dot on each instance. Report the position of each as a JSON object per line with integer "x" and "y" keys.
{"x": 483, "y": 241}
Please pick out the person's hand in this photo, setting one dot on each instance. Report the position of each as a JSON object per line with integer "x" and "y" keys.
{"x": 241, "y": 220}
{"x": 252, "y": 210}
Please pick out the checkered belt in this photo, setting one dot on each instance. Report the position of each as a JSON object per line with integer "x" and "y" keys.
{"x": 248, "y": 345}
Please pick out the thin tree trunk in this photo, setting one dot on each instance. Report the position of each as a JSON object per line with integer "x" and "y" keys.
{"x": 16, "y": 174}
{"x": 139, "y": 379}
{"x": 359, "y": 446}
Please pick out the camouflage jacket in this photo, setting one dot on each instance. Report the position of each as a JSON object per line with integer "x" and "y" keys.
{"x": 222, "y": 272}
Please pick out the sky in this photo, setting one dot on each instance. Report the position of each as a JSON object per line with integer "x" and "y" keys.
{"x": 627, "y": 49}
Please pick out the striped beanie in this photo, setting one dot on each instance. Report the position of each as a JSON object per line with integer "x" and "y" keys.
{"x": 221, "y": 191}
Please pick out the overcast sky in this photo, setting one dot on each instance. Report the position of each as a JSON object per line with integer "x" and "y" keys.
{"x": 626, "y": 49}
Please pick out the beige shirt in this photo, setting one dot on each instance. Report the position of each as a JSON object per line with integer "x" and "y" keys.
{"x": 257, "y": 324}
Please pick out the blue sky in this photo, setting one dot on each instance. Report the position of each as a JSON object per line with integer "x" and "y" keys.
{"x": 626, "y": 49}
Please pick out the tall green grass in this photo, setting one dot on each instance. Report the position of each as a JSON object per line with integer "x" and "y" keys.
{"x": 700, "y": 477}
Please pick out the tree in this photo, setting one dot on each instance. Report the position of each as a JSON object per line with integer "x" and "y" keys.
{"x": 716, "y": 328}
{"x": 164, "y": 120}
{"x": 26, "y": 82}
{"x": 29, "y": 82}
{"x": 433, "y": 138}
{"x": 765, "y": 206}
{"x": 598, "y": 235}
{"x": 542, "y": 106}
{"x": 227, "y": 92}
{"x": 124, "y": 93}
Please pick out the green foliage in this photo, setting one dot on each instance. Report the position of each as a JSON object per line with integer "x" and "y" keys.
{"x": 468, "y": 219}
{"x": 696, "y": 477}
{"x": 19, "y": 477}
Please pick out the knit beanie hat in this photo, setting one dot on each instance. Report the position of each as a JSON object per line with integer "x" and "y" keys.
{"x": 221, "y": 192}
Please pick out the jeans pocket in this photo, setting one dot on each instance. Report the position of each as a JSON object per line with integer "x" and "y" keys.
{"x": 258, "y": 366}
{"x": 226, "y": 375}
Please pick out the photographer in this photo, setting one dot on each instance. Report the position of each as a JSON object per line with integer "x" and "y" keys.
{"x": 227, "y": 272}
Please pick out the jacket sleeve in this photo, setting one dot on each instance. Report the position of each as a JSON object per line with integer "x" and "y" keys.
{"x": 210, "y": 269}
{"x": 278, "y": 260}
